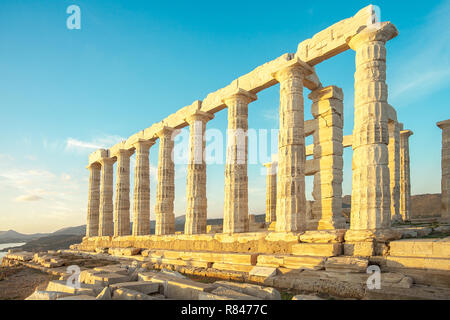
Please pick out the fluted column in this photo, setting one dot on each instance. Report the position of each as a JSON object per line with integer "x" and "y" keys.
{"x": 93, "y": 200}
{"x": 291, "y": 200}
{"x": 394, "y": 169}
{"x": 141, "y": 195}
{"x": 328, "y": 111}
{"x": 405, "y": 183}
{"x": 271, "y": 192}
{"x": 445, "y": 164}
{"x": 105, "y": 227}
{"x": 370, "y": 208}
{"x": 235, "y": 215}
{"x": 196, "y": 211}
{"x": 122, "y": 202}
{"x": 165, "y": 190}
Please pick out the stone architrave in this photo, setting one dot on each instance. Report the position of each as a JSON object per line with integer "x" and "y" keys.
{"x": 106, "y": 224}
{"x": 371, "y": 205}
{"x": 394, "y": 169}
{"x": 122, "y": 201}
{"x": 291, "y": 200}
{"x": 141, "y": 195}
{"x": 196, "y": 211}
{"x": 445, "y": 164}
{"x": 165, "y": 190}
{"x": 235, "y": 215}
{"x": 271, "y": 192}
{"x": 328, "y": 111}
{"x": 93, "y": 200}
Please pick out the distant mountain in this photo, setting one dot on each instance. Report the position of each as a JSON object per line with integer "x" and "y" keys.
{"x": 13, "y": 236}
{"x": 80, "y": 231}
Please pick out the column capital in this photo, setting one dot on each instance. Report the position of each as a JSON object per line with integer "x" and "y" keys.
{"x": 329, "y": 92}
{"x": 294, "y": 67}
{"x": 384, "y": 32}
{"x": 443, "y": 124}
{"x": 94, "y": 165}
{"x": 239, "y": 94}
{"x": 104, "y": 161}
{"x": 198, "y": 115}
{"x": 406, "y": 133}
{"x": 121, "y": 153}
{"x": 143, "y": 143}
{"x": 165, "y": 131}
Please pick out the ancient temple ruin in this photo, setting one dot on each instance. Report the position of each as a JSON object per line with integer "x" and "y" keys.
{"x": 295, "y": 228}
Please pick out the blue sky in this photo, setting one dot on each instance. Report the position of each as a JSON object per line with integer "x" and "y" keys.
{"x": 64, "y": 92}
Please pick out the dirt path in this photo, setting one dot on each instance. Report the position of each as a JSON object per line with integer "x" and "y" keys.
{"x": 17, "y": 283}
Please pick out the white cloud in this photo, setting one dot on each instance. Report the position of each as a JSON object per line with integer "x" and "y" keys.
{"x": 106, "y": 141}
{"x": 28, "y": 197}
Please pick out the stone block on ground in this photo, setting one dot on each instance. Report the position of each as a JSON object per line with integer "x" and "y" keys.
{"x": 346, "y": 264}
{"x": 233, "y": 294}
{"x": 144, "y": 287}
{"x": 265, "y": 293}
{"x": 47, "y": 295}
{"x": 306, "y": 297}
{"x": 105, "y": 294}
{"x": 78, "y": 297}
{"x": 128, "y": 294}
{"x": 62, "y": 286}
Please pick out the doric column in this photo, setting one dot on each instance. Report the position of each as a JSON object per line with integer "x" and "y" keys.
{"x": 235, "y": 214}
{"x": 394, "y": 169}
{"x": 291, "y": 200}
{"x": 328, "y": 111}
{"x": 445, "y": 164}
{"x": 370, "y": 208}
{"x": 93, "y": 200}
{"x": 105, "y": 227}
{"x": 122, "y": 202}
{"x": 165, "y": 190}
{"x": 141, "y": 196}
{"x": 405, "y": 184}
{"x": 271, "y": 193}
{"x": 196, "y": 210}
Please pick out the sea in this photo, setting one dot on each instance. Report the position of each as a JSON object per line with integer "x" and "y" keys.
{"x": 8, "y": 245}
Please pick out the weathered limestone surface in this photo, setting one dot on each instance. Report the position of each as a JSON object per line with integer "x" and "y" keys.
{"x": 405, "y": 181}
{"x": 106, "y": 227}
{"x": 328, "y": 110}
{"x": 271, "y": 192}
{"x": 93, "y": 200}
{"x": 394, "y": 169}
{"x": 122, "y": 202}
{"x": 332, "y": 41}
{"x": 445, "y": 164}
{"x": 196, "y": 175}
{"x": 290, "y": 211}
{"x": 165, "y": 192}
{"x": 370, "y": 179}
{"x": 235, "y": 214}
{"x": 141, "y": 196}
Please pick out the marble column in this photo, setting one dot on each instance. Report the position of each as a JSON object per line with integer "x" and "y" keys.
{"x": 141, "y": 195}
{"x": 106, "y": 227}
{"x": 328, "y": 111}
{"x": 271, "y": 193}
{"x": 445, "y": 164}
{"x": 235, "y": 215}
{"x": 93, "y": 200}
{"x": 371, "y": 198}
{"x": 394, "y": 169}
{"x": 405, "y": 184}
{"x": 291, "y": 200}
{"x": 196, "y": 211}
{"x": 165, "y": 190}
{"x": 122, "y": 202}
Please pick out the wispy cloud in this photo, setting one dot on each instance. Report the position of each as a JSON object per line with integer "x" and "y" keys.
{"x": 424, "y": 66}
{"x": 27, "y": 198}
{"x": 97, "y": 143}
